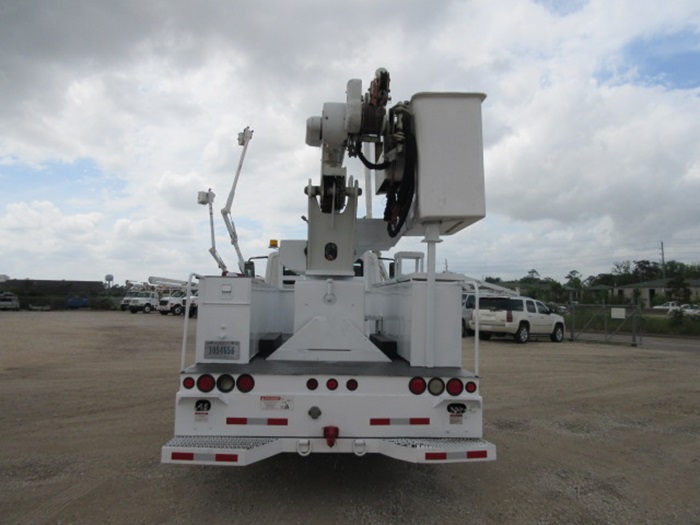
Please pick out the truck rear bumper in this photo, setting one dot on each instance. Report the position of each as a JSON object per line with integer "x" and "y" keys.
{"x": 240, "y": 451}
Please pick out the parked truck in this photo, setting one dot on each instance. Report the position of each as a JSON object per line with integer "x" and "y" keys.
{"x": 145, "y": 301}
{"x": 327, "y": 353}
{"x": 173, "y": 295}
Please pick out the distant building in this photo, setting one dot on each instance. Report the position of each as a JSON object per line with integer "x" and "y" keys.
{"x": 648, "y": 290}
{"x": 28, "y": 287}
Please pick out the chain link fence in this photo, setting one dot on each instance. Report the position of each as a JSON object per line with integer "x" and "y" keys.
{"x": 600, "y": 322}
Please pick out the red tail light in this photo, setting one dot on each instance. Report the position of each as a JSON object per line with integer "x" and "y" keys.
{"x": 509, "y": 316}
{"x": 206, "y": 383}
{"x": 246, "y": 383}
{"x": 351, "y": 385}
{"x": 332, "y": 384}
{"x": 470, "y": 387}
{"x": 188, "y": 382}
{"x": 417, "y": 385}
{"x": 312, "y": 384}
{"x": 454, "y": 387}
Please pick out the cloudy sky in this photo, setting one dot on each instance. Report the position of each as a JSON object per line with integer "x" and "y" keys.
{"x": 115, "y": 114}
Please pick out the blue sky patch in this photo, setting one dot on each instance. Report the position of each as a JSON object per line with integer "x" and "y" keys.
{"x": 562, "y": 7}
{"x": 59, "y": 182}
{"x": 671, "y": 60}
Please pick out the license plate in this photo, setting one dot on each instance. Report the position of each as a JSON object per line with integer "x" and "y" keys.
{"x": 222, "y": 350}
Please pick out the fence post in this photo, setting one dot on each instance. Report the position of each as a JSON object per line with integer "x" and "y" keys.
{"x": 635, "y": 315}
{"x": 573, "y": 318}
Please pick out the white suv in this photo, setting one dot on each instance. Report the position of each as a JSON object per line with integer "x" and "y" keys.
{"x": 519, "y": 317}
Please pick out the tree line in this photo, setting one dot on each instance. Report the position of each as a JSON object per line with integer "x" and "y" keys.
{"x": 622, "y": 273}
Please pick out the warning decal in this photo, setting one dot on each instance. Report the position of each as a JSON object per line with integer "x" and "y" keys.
{"x": 275, "y": 403}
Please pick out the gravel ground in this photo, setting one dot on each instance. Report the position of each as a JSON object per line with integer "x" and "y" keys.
{"x": 586, "y": 434}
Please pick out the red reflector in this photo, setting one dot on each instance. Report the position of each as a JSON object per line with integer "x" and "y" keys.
{"x": 476, "y": 454}
{"x": 417, "y": 385}
{"x": 435, "y": 455}
{"x": 236, "y": 420}
{"x": 206, "y": 383}
{"x": 419, "y": 421}
{"x": 230, "y": 458}
{"x": 277, "y": 421}
{"x": 245, "y": 383}
{"x": 351, "y": 385}
{"x": 332, "y": 384}
{"x": 312, "y": 384}
{"x": 188, "y": 382}
{"x": 182, "y": 456}
{"x": 376, "y": 421}
{"x": 454, "y": 387}
{"x": 470, "y": 387}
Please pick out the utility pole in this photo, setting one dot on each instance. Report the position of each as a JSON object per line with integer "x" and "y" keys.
{"x": 663, "y": 262}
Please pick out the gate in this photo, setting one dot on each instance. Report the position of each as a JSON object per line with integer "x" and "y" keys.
{"x": 603, "y": 322}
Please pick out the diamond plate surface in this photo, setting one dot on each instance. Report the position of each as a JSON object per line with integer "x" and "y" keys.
{"x": 218, "y": 442}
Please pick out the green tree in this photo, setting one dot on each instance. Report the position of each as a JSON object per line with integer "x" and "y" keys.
{"x": 678, "y": 289}
{"x": 646, "y": 270}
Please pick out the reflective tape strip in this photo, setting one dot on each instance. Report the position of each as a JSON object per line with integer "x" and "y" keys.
{"x": 470, "y": 454}
{"x": 226, "y": 458}
{"x": 267, "y": 421}
{"x": 383, "y": 421}
{"x": 200, "y": 456}
{"x": 182, "y": 456}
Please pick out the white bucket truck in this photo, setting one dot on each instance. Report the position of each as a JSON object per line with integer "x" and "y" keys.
{"x": 328, "y": 354}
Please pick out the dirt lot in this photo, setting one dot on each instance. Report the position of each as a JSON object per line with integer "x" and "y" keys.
{"x": 586, "y": 433}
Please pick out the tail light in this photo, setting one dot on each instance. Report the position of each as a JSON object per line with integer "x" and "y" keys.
{"x": 509, "y": 316}
{"x": 225, "y": 383}
{"x": 188, "y": 382}
{"x": 454, "y": 387}
{"x": 417, "y": 385}
{"x": 206, "y": 383}
{"x": 351, "y": 385}
{"x": 436, "y": 386}
{"x": 312, "y": 384}
{"x": 332, "y": 384}
{"x": 246, "y": 383}
{"x": 470, "y": 387}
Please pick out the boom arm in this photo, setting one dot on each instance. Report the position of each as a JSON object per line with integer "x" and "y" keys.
{"x": 207, "y": 198}
{"x": 243, "y": 140}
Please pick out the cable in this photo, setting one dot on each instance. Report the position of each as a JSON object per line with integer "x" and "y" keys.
{"x": 400, "y": 194}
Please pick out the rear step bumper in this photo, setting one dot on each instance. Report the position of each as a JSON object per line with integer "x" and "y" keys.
{"x": 240, "y": 451}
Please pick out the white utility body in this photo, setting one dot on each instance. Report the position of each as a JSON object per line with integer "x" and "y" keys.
{"x": 330, "y": 353}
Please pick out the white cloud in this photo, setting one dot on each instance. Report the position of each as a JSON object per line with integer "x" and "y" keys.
{"x": 585, "y": 162}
